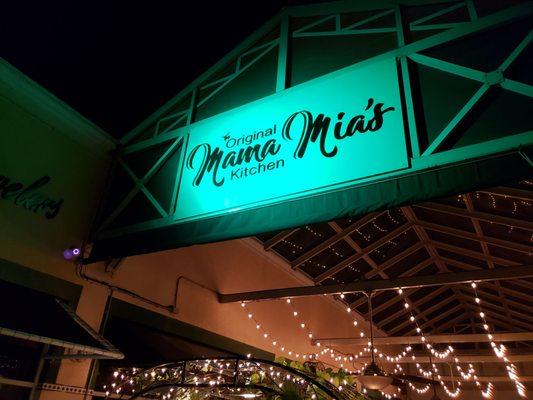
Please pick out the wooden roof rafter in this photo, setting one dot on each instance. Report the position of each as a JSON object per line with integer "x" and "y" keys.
{"x": 365, "y": 256}
{"x": 417, "y": 268}
{"x": 492, "y": 298}
{"x": 482, "y": 216}
{"x": 425, "y": 313}
{"x": 362, "y": 253}
{"x": 500, "y": 310}
{"x": 439, "y": 317}
{"x": 340, "y": 235}
{"x": 429, "y": 244}
{"x": 486, "y": 252}
{"x": 469, "y": 222}
{"x": 278, "y": 238}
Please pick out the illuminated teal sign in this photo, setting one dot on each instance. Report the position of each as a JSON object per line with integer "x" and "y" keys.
{"x": 316, "y": 137}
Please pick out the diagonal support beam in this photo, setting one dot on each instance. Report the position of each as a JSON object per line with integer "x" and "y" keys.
{"x": 495, "y": 299}
{"x": 482, "y": 216}
{"x": 337, "y": 237}
{"x": 452, "y": 322}
{"x": 278, "y": 238}
{"x": 440, "y": 317}
{"x": 397, "y": 258}
{"x": 479, "y": 232}
{"x": 425, "y": 313}
{"x": 501, "y": 320}
{"x": 439, "y": 140}
{"x": 430, "y": 245}
{"x": 364, "y": 252}
{"x": 501, "y": 310}
{"x": 378, "y": 269}
{"x": 417, "y": 268}
{"x": 506, "y": 244}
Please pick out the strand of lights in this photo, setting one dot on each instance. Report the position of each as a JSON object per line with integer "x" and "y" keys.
{"x": 438, "y": 354}
{"x": 424, "y": 389}
{"x": 295, "y": 247}
{"x": 488, "y": 393}
{"x": 373, "y": 222}
{"x": 275, "y": 343}
{"x": 389, "y": 358}
{"x": 339, "y": 357}
{"x": 343, "y": 356}
{"x": 499, "y": 350}
{"x": 224, "y": 371}
{"x": 398, "y": 369}
{"x": 389, "y": 396}
{"x": 471, "y": 374}
{"x": 349, "y": 311}
{"x": 451, "y": 393}
{"x": 380, "y": 354}
{"x": 489, "y": 390}
{"x": 425, "y": 373}
{"x": 290, "y": 352}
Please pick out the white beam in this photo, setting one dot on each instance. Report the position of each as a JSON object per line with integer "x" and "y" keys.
{"x": 492, "y": 379}
{"x": 395, "y": 340}
{"x": 464, "y": 358}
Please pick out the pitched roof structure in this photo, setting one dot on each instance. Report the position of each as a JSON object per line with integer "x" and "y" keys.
{"x": 479, "y": 230}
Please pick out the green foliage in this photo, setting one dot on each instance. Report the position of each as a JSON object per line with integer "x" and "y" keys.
{"x": 255, "y": 379}
{"x": 337, "y": 378}
{"x": 194, "y": 396}
{"x": 291, "y": 392}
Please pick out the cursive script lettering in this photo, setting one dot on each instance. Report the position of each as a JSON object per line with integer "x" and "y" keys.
{"x": 313, "y": 129}
{"x": 29, "y": 197}
{"x": 212, "y": 160}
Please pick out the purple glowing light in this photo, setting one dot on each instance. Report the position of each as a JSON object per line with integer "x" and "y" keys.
{"x": 69, "y": 254}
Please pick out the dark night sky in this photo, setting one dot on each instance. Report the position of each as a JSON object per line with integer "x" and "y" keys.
{"x": 117, "y": 62}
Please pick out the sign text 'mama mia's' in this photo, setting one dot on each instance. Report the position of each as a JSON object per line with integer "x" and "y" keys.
{"x": 310, "y": 130}
{"x": 322, "y": 135}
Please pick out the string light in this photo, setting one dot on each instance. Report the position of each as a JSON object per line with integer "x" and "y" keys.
{"x": 487, "y": 393}
{"x": 202, "y": 372}
{"x": 315, "y": 233}
{"x": 336, "y": 356}
{"x": 499, "y": 349}
{"x": 424, "y": 389}
{"x": 429, "y": 347}
{"x": 295, "y": 248}
{"x": 274, "y": 342}
{"x": 390, "y": 358}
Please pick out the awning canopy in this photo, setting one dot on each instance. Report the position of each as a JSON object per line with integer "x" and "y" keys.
{"x": 351, "y": 202}
{"x": 38, "y": 317}
{"x": 413, "y": 102}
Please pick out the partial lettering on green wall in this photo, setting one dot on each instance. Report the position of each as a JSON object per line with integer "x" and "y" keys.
{"x": 30, "y": 196}
{"x": 309, "y": 139}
